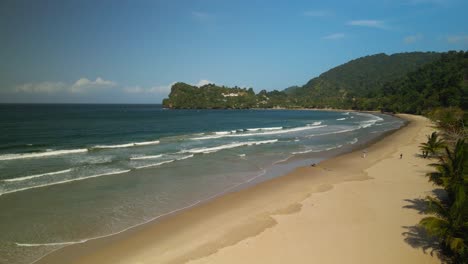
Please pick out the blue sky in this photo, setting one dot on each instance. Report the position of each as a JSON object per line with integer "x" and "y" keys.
{"x": 132, "y": 51}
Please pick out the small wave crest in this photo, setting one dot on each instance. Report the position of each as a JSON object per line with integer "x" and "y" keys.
{"x": 261, "y": 133}
{"x": 341, "y": 119}
{"x": 155, "y": 164}
{"x": 66, "y": 181}
{"x": 37, "y": 176}
{"x": 264, "y": 128}
{"x": 228, "y": 146}
{"x": 146, "y": 157}
{"x": 317, "y": 123}
{"x": 41, "y": 154}
{"x": 127, "y": 145}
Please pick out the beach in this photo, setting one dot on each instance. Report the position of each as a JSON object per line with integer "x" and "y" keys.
{"x": 347, "y": 209}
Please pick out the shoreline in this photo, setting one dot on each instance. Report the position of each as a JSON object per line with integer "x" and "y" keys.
{"x": 252, "y": 211}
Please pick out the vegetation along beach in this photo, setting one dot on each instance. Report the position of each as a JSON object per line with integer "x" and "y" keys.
{"x": 233, "y": 132}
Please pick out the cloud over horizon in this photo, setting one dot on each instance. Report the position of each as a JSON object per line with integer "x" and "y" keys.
{"x": 413, "y": 38}
{"x": 367, "y": 23}
{"x": 82, "y": 85}
{"x": 334, "y": 36}
{"x": 159, "y": 89}
{"x": 457, "y": 39}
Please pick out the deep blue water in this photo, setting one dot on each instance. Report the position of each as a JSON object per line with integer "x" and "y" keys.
{"x": 74, "y": 172}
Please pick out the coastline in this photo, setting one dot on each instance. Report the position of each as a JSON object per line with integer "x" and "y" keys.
{"x": 270, "y": 213}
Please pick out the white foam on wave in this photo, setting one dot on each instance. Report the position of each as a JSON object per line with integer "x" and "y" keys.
{"x": 127, "y": 145}
{"x": 186, "y": 157}
{"x": 264, "y": 128}
{"x": 354, "y": 141}
{"x": 228, "y": 146}
{"x": 155, "y": 164}
{"x": 145, "y": 143}
{"x": 66, "y": 181}
{"x": 146, "y": 157}
{"x": 340, "y": 119}
{"x": 41, "y": 154}
{"x": 304, "y": 152}
{"x": 264, "y": 133}
{"x": 50, "y": 244}
{"x": 317, "y": 123}
{"x": 37, "y": 176}
{"x": 222, "y": 133}
{"x": 334, "y": 132}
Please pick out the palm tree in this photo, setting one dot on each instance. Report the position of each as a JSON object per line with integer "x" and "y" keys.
{"x": 433, "y": 145}
{"x": 450, "y": 225}
{"x": 449, "y": 222}
{"x": 452, "y": 170}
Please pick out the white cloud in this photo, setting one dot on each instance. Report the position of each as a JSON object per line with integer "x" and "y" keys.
{"x": 84, "y": 85}
{"x": 367, "y": 23}
{"x": 457, "y": 39}
{"x": 203, "y": 82}
{"x": 413, "y": 38}
{"x": 159, "y": 89}
{"x": 134, "y": 90}
{"x": 334, "y": 36}
{"x": 80, "y": 86}
{"x": 43, "y": 87}
{"x": 317, "y": 13}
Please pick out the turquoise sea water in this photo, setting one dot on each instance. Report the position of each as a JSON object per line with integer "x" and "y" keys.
{"x": 70, "y": 173}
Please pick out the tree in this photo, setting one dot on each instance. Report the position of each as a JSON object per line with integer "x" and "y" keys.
{"x": 449, "y": 220}
{"x": 450, "y": 225}
{"x": 433, "y": 145}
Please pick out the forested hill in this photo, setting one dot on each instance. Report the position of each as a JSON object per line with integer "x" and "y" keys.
{"x": 405, "y": 82}
{"x": 443, "y": 83}
{"x": 360, "y": 78}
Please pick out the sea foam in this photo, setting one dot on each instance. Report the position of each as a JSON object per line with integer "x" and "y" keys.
{"x": 66, "y": 181}
{"x": 261, "y": 133}
{"x": 37, "y": 176}
{"x": 146, "y": 157}
{"x": 41, "y": 154}
{"x": 126, "y": 145}
{"x": 228, "y": 146}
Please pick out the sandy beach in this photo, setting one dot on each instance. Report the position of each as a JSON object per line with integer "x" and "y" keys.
{"x": 348, "y": 209}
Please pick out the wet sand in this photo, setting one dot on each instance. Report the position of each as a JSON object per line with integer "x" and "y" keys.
{"x": 347, "y": 209}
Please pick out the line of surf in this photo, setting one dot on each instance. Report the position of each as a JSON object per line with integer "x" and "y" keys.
{"x": 146, "y": 157}
{"x": 66, "y": 181}
{"x": 37, "y": 176}
{"x": 41, "y": 154}
{"x": 127, "y": 145}
{"x": 265, "y": 133}
{"x": 228, "y": 146}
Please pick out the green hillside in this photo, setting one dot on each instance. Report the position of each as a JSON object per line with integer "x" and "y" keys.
{"x": 360, "y": 78}
{"x": 443, "y": 83}
{"x": 405, "y": 82}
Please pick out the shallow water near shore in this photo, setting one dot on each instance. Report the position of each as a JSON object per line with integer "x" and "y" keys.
{"x": 75, "y": 172}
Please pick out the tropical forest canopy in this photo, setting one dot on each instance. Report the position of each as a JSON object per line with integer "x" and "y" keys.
{"x": 404, "y": 82}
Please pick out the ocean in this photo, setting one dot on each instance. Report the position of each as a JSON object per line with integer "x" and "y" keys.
{"x": 70, "y": 173}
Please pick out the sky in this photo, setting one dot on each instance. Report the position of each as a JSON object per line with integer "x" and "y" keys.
{"x": 111, "y": 51}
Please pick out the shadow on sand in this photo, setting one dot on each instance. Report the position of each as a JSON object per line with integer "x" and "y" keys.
{"x": 416, "y": 236}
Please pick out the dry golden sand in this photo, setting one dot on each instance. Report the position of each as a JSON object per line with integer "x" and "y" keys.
{"x": 347, "y": 209}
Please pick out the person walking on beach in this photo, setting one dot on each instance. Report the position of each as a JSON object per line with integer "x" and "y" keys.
{"x": 364, "y": 153}
{"x": 401, "y": 155}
